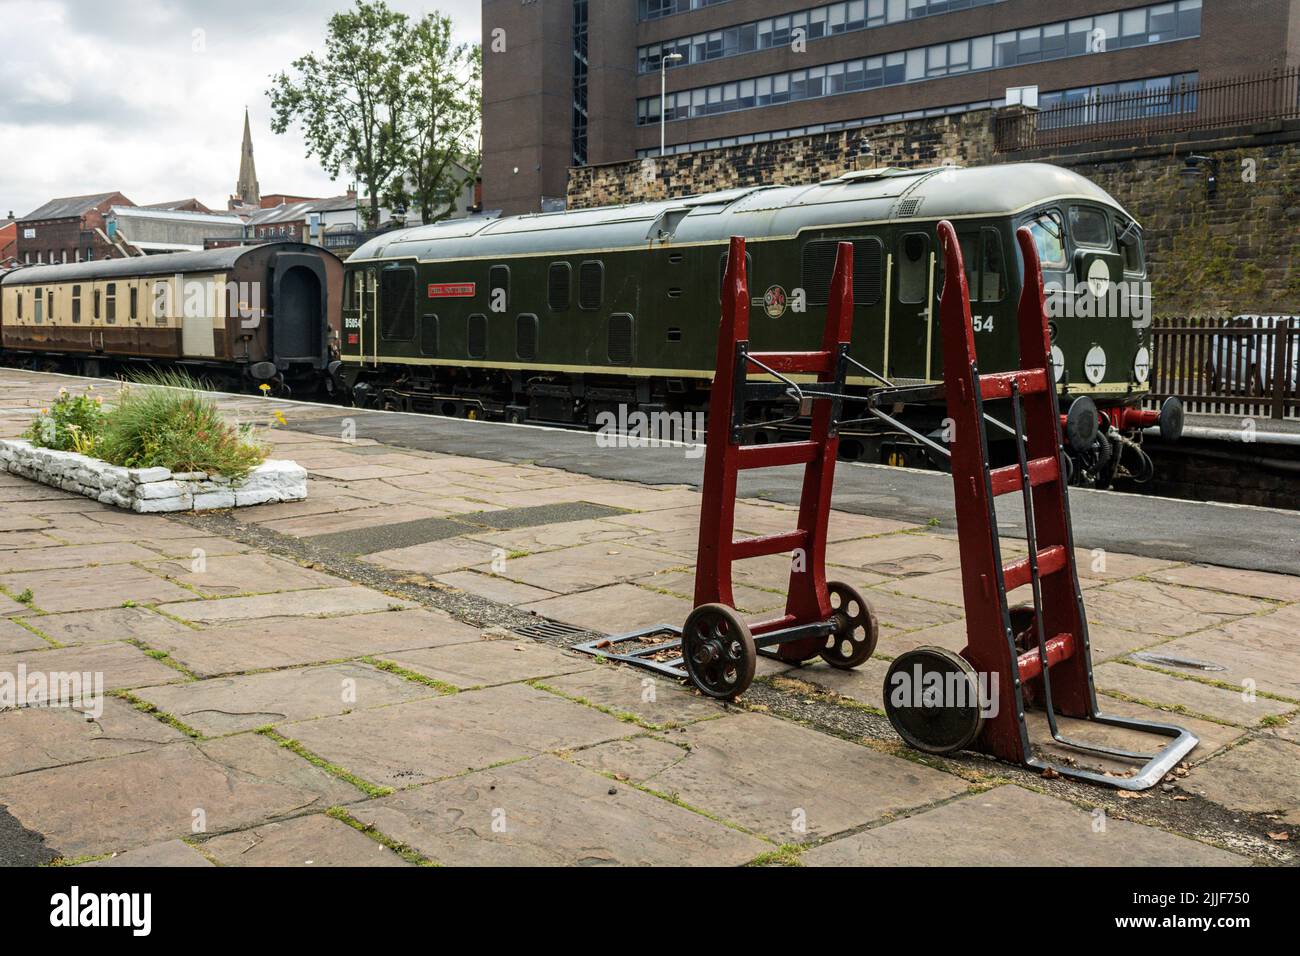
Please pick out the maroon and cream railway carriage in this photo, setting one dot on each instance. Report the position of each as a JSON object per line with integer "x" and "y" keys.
{"x": 241, "y": 316}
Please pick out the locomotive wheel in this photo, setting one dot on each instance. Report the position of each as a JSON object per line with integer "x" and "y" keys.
{"x": 932, "y": 699}
{"x": 719, "y": 651}
{"x": 856, "y": 628}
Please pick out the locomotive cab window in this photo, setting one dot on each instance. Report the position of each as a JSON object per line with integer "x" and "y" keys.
{"x": 1088, "y": 227}
{"x": 397, "y": 305}
{"x": 1049, "y": 237}
{"x": 981, "y": 253}
{"x": 913, "y": 267}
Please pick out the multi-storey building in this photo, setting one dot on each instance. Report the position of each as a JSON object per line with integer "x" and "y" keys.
{"x": 576, "y": 82}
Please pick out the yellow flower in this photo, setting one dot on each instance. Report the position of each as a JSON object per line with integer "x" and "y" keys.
{"x": 264, "y": 388}
{"x": 279, "y": 417}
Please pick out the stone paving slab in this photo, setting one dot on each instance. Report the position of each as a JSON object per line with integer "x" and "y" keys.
{"x": 587, "y": 566}
{"x": 547, "y": 812}
{"x": 315, "y": 840}
{"x": 493, "y": 587}
{"x": 171, "y": 853}
{"x": 217, "y": 576}
{"x": 440, "y": 557}
{"x": 1260, "y": 584}
{"x": 900, "y": 612}
{"x": 635, "y": 760}
{"x": 415, "y": 743}
{"x": 616, "y": 609}
{"x": 651, "y": 697}
{"x": 15, "y": 638}
{"x": 1260, "y": 776}
{"x": 228, "y": 705}
{"x": 36, "y": 738}
{"x": 1219, "y": 703}
{"x": 864, "y": 684}
{"x": 122, "y": 666}
{"x": 20, "y": 540}
{"x": 315, "y": 525}
{"x": 897, "y": 555}
{"x": 276, "y": 642}
{"x": 79, "y": 589}
{"x": 72, "y": 556}
{"x": 200, "y": 547}
{"x": 551, "y": 537}
{"x": 384, "y": 537}
{"x": 1264, "y": 650}
{"x": 771, "y": 777}
{"x": 1166, "y": 608}
{"x": 973, "y": 831}
{"x": 488, "y": 663}
{"x": 108, "y": 625}
{"x": 316, "y": 603}
{"x": 140, "y": 799}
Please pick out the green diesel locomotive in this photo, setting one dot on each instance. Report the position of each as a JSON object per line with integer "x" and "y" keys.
{"x": 570, "y": 318}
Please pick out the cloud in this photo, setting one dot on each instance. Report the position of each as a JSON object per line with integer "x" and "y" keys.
{"x": 147, "y": 96}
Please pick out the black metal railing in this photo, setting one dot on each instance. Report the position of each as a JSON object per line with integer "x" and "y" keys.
{"x": 1179, "y": 108}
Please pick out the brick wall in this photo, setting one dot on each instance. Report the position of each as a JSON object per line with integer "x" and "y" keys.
{"x": 1237, "y": 253}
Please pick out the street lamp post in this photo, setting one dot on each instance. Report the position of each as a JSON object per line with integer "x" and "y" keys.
{"x": 663, "y": 94}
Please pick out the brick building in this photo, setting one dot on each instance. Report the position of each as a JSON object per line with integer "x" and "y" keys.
{"x": 8, "y": 242}
{"x": 751, "y": 71}
{"x": 72, "y": 229}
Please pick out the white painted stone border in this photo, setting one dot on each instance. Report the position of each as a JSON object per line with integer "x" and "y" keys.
{"x": 152, "y": 490}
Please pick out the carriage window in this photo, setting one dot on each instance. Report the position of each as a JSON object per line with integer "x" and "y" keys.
{"x": 161, "y": 293}
{"x": 76, "y": 304}
{"x": 20, "y": 303}
{"x": 559, "y": 279}
{"x": 135, "y": 303}
{"x": 499, "y": 288}
{"x": 1129, "y": 238}
{"x": 110, "y": 303}
{"x": 591, "y": 285}
{"x": 1048, "y": 235}
{"x": 397, "y": 305}
{"x": 96, "y": 312}
{"x": 1088, "y": 227}
{"x": 913, "y": 267}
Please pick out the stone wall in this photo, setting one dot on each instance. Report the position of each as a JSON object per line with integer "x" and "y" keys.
{"x": 152, "y": 490}
{"x": 1238, "y": 253}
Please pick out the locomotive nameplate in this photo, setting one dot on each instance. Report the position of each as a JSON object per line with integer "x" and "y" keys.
{"x": 453, "y": 290}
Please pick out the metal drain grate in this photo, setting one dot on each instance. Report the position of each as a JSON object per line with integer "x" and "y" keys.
{"x": 544, "y": 629}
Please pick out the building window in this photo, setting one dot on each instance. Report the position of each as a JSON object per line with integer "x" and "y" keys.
{"x": 579, "y": 82}
{"x": 1032, "y": 45}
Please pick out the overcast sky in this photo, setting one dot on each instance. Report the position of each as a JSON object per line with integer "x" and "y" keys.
{"x": 102, "y": 95}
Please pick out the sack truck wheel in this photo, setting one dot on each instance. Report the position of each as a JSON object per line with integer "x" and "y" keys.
{"x": 718, "y": 651}
{"x": 932, "y": 698}
{"x": 856, "y": 628}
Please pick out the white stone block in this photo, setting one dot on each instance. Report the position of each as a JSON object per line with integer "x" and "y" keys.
{"x": 160, "y": 505}
{"x": 159, "y": 490}
{"x": 214, "y": 500}
{"x": 142, "y": 475}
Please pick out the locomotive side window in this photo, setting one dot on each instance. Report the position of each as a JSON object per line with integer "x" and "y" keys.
{"x": 110, "y": 303}
{"x": 499, "y": 287}
{"x": 76, "y": 304}
{"x": 1088, "y": 227}
{"x": 397, "y": 305}
{"x": 476, "y": 336}
{"x": 1048, "y": 233}
{"x": 526, "y": 337}
{"x": 621, "y": 339}
{"x": 913, "y": 267}
{"x": 429, "y": 336}
{"x": 558, "y": 291}
{"x": 1129, "y": 238}
{"x": 819, "y": 270}
{"x": 591, "y": 285}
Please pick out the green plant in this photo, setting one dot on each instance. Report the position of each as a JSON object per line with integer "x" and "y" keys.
{"x": 72, "y": 423}
{"x": 162, "y": 420}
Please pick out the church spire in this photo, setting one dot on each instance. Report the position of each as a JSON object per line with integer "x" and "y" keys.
{"x": 248, "y": 191}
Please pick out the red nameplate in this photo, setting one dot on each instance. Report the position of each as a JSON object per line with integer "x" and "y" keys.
{"x": 452, "y": 290}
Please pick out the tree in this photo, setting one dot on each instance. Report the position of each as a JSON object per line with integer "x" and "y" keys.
{"x": 351, "y": 101}
{"x": 445, "y": 109}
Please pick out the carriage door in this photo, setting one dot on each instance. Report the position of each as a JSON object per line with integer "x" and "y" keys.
{"x": 913, "y": 336}
{"x": 298, "y": 329}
